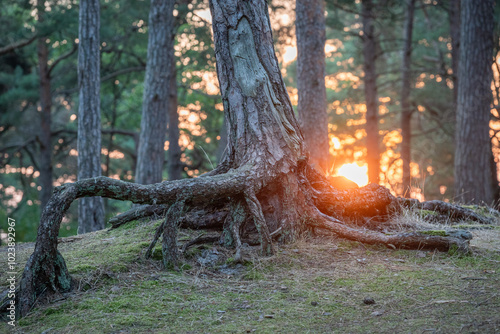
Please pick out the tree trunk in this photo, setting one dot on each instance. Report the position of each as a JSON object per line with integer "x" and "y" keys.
{"x": 473, "y": 150}
{"x": 370, "y": 81}
{"x": 45, "y": 163}
{"x": 454, "y": 18}
{"x": 221, "y": 147}
{"x": 264, "y": 185}
{"x": 406, "y": 111}
{"x": 90, "y": 210}
{"x": 174, "y": 150}
{"x": 157, "y": 83}
{"x": 310, "y": 29}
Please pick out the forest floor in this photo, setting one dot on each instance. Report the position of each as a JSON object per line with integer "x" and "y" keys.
{"x": 316, "y": 285}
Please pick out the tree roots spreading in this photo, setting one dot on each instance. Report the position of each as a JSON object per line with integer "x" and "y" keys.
{"x": 238, "y": 202}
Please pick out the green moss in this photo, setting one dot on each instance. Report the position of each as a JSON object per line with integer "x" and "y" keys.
{"x": 474, "y": 227}
{"x": 424, "y": 213}
{"x": 481, "y": 210}
{"x": 439, "y": 233}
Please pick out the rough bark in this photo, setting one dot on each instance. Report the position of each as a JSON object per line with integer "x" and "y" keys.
{"x": 310, "y": 30}
{"x": 221, "y": 147}
{"x": 265, "y": 181}
{"x": 406, "y": 111}
{"x": 473, "y": 149}
{"x": 90, "y": 210}
{"x": 370, "y": 87}
{"x": 174, "y": 150}
{"x": 157, "y": 83}
{"x": 45, "y": 138}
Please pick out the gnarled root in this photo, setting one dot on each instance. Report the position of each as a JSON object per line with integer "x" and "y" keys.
{"x": 207, "y": 218}
{"x": 452, "y": 211}
{"x": 278, "y": 205}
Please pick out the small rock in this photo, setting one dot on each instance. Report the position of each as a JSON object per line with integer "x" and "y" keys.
{"x": 327, "y": 313}
{"x": 368, "y": 301}
{"x": 314, "y": 303}
{"x": 378, "y": 313}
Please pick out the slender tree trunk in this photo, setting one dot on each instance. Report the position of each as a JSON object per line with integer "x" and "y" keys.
{"x": 90, "y": 210}
{"x": 45, "y": 163}
{"x": 405, "y": 98}
{"x": 454, "y": 18}
{"x": 174, "y": 150}
{"x": 310, "y": 29}
{"x": 495, "y": 187}
{"x": 157, "y": 84}
{"x": 370, "y": 81}
{"x": 473, "y": 149}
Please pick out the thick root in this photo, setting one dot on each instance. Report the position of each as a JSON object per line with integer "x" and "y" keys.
{"x": 413, "y": 240}
{"x": 451, "y": 211}
{"x": 209, "y": 218}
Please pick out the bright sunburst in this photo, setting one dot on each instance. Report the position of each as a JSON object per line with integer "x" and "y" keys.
{"x": 355, "y": 173}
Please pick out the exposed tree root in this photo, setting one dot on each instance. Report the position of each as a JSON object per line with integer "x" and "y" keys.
{"x": 138, "y": 212}
{"x": 201, "y": 239}
{"x": 452, "y": 211}
{"x": 281, "y": 205}
{"x": 210, "y": 218}
{"x": 413, "y": 240}
{"x": 171, "y": 256}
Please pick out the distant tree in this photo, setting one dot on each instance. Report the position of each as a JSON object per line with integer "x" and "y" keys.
{"x": 473, "y": 179}
{"x": 45, "y": 136}
{"x": 310, "y": 29}
{"x": 454, "y": 19}
{"x": 156, "y": 99}
{"x": 406, "y": 111}
{"x": 174, "y": 150}
{"x": 90, "y": 210}
{"x": 370, "y": 85}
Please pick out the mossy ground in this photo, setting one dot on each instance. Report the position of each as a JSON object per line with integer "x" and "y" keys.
{"x": 316, "y": 285}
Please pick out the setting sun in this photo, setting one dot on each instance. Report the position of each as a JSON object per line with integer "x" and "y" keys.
{"x": 355, "y": 173}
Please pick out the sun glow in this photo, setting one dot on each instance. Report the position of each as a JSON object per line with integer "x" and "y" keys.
{"x": 355, "y": 173}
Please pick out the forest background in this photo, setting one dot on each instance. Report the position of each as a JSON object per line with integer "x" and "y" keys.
{"x": 124, "y": 39}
